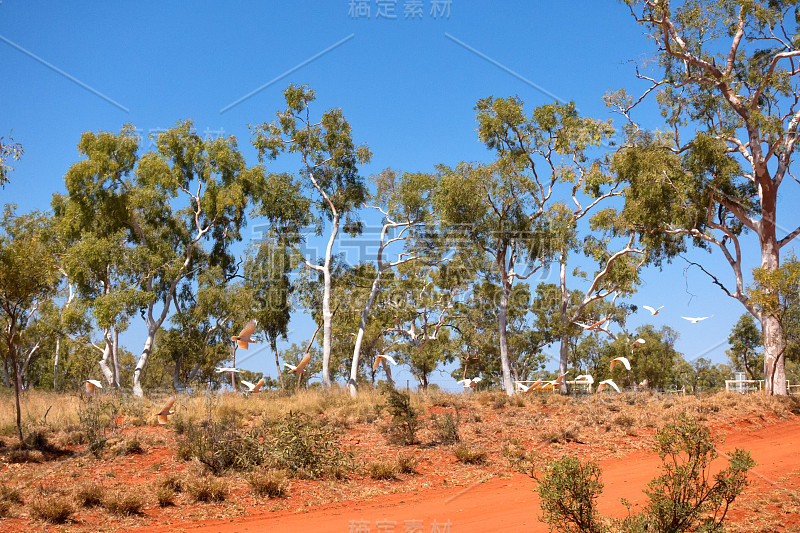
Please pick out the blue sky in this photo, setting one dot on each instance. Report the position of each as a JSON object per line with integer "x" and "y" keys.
{"x": 407, "y": 85}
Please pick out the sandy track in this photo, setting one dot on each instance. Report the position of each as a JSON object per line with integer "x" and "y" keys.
{"x": 510, "y": 504}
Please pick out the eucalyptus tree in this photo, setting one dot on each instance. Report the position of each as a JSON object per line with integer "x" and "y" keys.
{"x": 28, "y": 278}
{"x": 94, "y": 228}
{"x": 491, "y": 210}
{"x": 8, "y": 151}
{"x": 407, "y": 204}
{"x": 189, "y": 206}
{"x": 725, "y": 77}
{"x": 328, "y": 179}
{"x": 425, "y": 302}
{"x": 745, "y": 352}
{"x": 266, "y": 279}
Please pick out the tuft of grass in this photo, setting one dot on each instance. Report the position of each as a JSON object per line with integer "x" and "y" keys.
{"x": 10, "y": 494}
{"x": 208, "y": 489}
{"x": 382, "y": 470}
{"x": 89, "y": 495}
{"x": 124, "y": 503}
{"x": 171, "y": 482}
{"x": 165, "y": 496}
{"x": 407, "y": 464}
{"x": 470, "y": 456}
{"x": 52, "y": 508}
{"x": 270, "y": 483}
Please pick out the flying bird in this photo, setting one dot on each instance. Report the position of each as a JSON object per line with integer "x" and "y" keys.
{"x": 469, "y": 383}
{"x": 695, "y": 320}
{"x": 528, "y": 388}
{"x": 607, "y": 382}
{"x": 556, "y": 383}
{"x": 166, "y": 410}
{"x": 653, "y": 311}
{"x": 243, "y": 338}
{"x": 228, "y": 369}
{"x": 592, "y": 327}
{"x": 637, "y": 342}
{"x": 623, "y": 360}
{"x": 301, "y": 366}
{"x": 91, "y": 384}
{"x": 382, "y": 356}
{"x": 253, "y": 387}
{"x": 584, "y": 379}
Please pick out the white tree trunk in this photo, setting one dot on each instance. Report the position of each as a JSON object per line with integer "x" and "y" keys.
{"x": 137, "y": 372}
{"x": 563, "y": 359}
{"x": 115, "y": 357}
{"x": 108, "y": 349}
{"x": 56, "y": 359}
{"x": 376, "y": 283}
{"x": 327, "y": 316}
{"x": 508, "y": 384}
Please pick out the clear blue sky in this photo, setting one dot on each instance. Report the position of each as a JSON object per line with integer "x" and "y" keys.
{"x": 407, "y": 85}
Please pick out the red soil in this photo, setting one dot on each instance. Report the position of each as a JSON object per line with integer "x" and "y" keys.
{"x": 508, "y": 503}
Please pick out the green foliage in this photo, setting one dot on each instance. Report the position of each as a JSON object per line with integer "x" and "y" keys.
{"x": 8, "y": 151}
{"x": 746, "y": 343}
{"x": 306, "y": 447}
{"x": 686, "y": 497}
{"x": 569, "y": 490}
{"x": 445, "y": 427}
{"x": 222, "y": 445}
{"x": 405, "y": 420}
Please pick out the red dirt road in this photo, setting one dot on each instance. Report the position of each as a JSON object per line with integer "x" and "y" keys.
{"x": 510, "y": 504}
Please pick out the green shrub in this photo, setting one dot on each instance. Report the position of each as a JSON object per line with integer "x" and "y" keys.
{"x": 405, "y": 421}
{"x": 52, "y": 508}
{"x": 306, "y": 447}
{"x": 270, "y": 483}
{"x": 469, "y": 456}
{"x": 222, "y": 446}
{"x": 446, "y": 428}
{"x": 569, "y": 491}
{"x": 684, "y": 498}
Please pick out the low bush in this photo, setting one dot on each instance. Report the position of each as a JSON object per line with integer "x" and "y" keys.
{"x": 686, "y": 497}
{"x": 124, "y": 503}
{"x": 407, "y": 464}
{"x": 165, "y": 496}
{"x": 445, "y": 428}
{"x": 470, "y": 456}
{"x": 270, "y": 483}
{"x": 382, "y": 470}
{"x": 89, "y": 494}
{"x": 52, "y": 508}
{"x": 307, "y": 447}
{"x": 208, "y": 489}
{"x": 405, "y": 420}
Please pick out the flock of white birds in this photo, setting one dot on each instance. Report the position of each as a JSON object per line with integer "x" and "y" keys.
{"x": 244, "y": 338}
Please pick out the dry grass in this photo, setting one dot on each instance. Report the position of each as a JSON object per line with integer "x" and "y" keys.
{"x": 495, "y": 431}
{"x": 269, "y": 483}
{"x": 124, "y": 503}
{"x": 53, "y": 508}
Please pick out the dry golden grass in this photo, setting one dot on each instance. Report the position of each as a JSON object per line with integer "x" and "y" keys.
{"x": 518, "y": 434}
